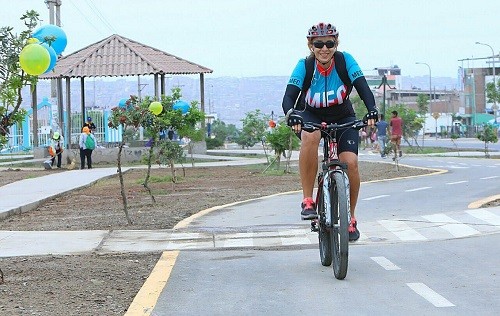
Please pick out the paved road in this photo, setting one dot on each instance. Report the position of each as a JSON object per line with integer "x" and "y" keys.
{"x": 420, "y": 242}
{"x": 420, "y": 245}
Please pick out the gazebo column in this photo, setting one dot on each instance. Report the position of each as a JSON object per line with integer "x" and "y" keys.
{"x": 162, "y": 84}
{"x": 202, "y": 97}
{"x": 156, "y": 86}
{"x": 82, "y": 98}
{"x": 68, "y": 113}
{"x": 60, "y": 106}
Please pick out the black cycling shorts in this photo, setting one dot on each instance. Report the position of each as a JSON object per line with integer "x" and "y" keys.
{"x": 347, "y": 139}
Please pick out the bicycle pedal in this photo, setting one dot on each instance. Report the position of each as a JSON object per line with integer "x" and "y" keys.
{"x": 314, "y": 226}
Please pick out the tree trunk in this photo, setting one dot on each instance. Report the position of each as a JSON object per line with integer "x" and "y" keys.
{"x": 148, "y": 173}
{"x": 122, "y": 185}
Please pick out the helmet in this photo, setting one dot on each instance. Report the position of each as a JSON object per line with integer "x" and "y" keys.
{"x": 56, "y": 135}
{"x": 322, "y": 29}
{"x": 89, "y": 119}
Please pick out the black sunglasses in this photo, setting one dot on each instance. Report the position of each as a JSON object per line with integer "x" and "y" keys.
{"x": 320, "y": 44}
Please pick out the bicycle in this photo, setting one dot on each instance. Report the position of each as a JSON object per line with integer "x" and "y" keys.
{"x": 332, "y": 199}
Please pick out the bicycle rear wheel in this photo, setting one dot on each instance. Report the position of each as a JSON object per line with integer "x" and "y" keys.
{"x": 324, "y": 236}
{"x": 340, "y": 223}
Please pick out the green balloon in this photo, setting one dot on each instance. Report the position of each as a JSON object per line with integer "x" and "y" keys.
{"x": 34, "y": 59}
{"x": 156, "y": 107}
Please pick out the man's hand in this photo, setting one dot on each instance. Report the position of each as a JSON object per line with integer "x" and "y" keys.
{"x": 295, "y": 121}
{"x": 372, "y": 117}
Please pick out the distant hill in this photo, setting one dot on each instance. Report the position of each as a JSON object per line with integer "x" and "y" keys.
{"x": 229, "y": 97}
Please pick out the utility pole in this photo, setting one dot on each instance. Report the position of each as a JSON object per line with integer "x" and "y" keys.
{"x": 54, "y": 7}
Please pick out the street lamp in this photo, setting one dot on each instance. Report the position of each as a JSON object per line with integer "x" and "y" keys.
{"x": 430, "y": 94}
{"x": 494, "y": 80}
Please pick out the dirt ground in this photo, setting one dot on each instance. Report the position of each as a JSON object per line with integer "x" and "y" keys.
{"x": 98, "y": 284}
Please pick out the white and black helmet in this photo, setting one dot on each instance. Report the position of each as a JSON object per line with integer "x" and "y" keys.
{"x": 322, "y": 29}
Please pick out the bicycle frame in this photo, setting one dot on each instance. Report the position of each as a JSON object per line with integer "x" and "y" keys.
{"x": 332, "y": 200}
{"x": 330, "y": 163}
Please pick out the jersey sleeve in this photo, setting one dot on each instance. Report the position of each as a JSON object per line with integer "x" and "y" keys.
{"x": 298, "y": 74}
{"x": 353, "y": 69}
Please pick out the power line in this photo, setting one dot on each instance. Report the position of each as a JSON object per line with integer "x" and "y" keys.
{"x": 86, "y": 18}
{"x": 100, "y": 16}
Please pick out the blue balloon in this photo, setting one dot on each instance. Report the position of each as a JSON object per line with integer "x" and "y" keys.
{"x": 52, "y": 30}
{"x": 181, "y": 105}
{"x": 123, "y": 103}
{"x": 53, "y": 57}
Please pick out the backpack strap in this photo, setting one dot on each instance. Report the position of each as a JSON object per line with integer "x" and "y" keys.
{"x": 341, "y": 68}
{"x": 301, "y": 101}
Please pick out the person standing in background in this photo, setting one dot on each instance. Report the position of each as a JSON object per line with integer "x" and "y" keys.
{"x": 86, "y": 147}
{"x": 89, "y": 124}
{"x": 396, "y": 132}
{"x": 381, "y": 127}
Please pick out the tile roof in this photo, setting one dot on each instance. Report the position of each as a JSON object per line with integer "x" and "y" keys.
{"x": 119, "y": 56}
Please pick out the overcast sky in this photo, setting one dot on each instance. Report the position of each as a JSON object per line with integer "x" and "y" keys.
{"x": 246, "y": 38}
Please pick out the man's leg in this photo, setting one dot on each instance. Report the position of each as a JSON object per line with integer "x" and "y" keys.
{"x": 59, "y": 158}
{"x": 82, "y": 159}
{"x": 382, "y": 145}
{"x": 351, "y": 159}
{"x": 308, "y": 161}
{"x": 88, "y": 153}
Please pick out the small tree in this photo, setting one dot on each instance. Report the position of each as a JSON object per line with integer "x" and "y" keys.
{"x": 493, "y": 92}
{"x": 190, "y": 126}
{"x": 487, "y": 135}
{"x": 168, "y": 153}
{"x": 254, "y": 129}
{"x": 12, "y": 76}
{"x": 127, "y": 118}
{"x": 282, "y": 139}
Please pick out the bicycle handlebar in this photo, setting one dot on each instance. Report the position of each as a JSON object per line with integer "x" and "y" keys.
{"x": 311, "y": 126}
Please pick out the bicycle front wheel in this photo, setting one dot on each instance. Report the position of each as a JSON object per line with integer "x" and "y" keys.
{"x": 340, "y": 207}
{"x": 324, "y": 232}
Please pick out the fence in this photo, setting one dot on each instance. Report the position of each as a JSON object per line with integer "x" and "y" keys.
{"x": 21, "y": 135}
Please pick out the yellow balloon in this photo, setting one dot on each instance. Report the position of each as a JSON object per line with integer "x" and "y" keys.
{"x": 34, "y": 59}
{"x": 32, "y": 40}
{"x": 156, "y": 107}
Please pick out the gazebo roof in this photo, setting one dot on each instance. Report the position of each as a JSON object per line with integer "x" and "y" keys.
{"x": 117, "y": 56}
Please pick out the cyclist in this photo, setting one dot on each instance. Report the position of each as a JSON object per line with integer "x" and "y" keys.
{"x": 396, "y": 124}
{"x": 322, "y": 41}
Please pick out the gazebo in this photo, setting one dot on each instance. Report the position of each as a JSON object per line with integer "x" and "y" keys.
{"x": 116, "y": 56}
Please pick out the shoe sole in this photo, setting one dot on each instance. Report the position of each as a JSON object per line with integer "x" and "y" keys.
{"x": 309, "y": 217}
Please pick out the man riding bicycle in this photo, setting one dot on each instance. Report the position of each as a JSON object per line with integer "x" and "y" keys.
{"x": 322, "y": 41}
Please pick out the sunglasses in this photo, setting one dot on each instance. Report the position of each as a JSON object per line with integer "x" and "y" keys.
{"x": 320, "y": 44}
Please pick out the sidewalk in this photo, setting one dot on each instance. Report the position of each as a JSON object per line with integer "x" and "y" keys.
{"x": 28, "y": 194}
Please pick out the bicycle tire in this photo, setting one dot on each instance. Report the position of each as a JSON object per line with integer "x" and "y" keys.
{"x": 340, "y": 223}
{"x": 324, "y": 236}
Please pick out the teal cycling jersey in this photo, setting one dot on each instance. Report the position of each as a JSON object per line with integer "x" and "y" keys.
{"x": 326, "y": 81}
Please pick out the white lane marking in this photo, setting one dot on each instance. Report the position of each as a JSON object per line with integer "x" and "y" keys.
{"x": 238, "y": 240}
{"x": 297, "y": 239}
{"x": 487, "y": 178}
{"x": 385, "y": 263}
{"x": 458, "y": 182}
{"x": 486, "y": 216}
{"x": 376, "y": 197}
{"x": 402, "y": 230}
{"x": 454, "y": 227}
{"x": 418, "y": 189}
{"x": 430, "y": 295}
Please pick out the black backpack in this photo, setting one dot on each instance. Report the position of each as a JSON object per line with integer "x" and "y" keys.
{"x": 341, "y": 68}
